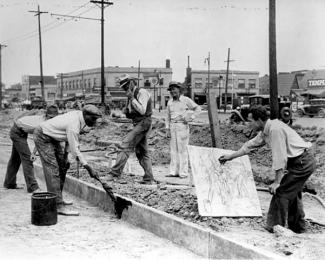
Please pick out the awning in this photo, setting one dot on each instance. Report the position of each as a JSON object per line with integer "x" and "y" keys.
{"x": 314, "y": 92}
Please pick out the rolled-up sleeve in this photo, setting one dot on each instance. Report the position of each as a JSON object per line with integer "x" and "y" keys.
{"x": 141, "y": 104}
{"x": 73, "y": 140}
{"x": 279, "y": 149}
{"x": 252, "y": 144}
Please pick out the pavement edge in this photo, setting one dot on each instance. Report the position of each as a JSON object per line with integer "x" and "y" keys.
{"x": 193, "y": 237}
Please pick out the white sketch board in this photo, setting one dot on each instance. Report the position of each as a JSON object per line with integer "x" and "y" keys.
{"x": 223, "y": 190}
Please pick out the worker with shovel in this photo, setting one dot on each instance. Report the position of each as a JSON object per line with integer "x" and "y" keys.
{"x": 292, "y": 162}
{"x": 20, "y": 154}
{"x": 139, "y": 109}
{"x": 47, "y": 137}
{"x": 180, "y": 111}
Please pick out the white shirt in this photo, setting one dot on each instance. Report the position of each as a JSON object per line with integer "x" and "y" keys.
{"x": 140, "y": 104}
{"x": 177, "y": 110}
{"x": 67, "y": 127}
{"x": 283, "y": 140}
{"x": 29, "y": 123}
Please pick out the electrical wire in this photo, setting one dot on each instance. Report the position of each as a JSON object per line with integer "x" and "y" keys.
{"x": 34, "y": 33}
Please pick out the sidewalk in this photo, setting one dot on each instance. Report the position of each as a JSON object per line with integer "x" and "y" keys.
{"x": 93, "y": 235}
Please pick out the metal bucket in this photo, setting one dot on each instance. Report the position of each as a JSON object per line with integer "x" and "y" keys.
{"x": 44, "y": 210}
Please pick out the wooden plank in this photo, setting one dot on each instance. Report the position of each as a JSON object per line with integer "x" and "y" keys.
{"x": 223, "y": 190}
{"x": 214, "y": 118}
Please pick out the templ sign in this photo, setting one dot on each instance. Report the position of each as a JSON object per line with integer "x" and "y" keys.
{"x": 316, "y": 83}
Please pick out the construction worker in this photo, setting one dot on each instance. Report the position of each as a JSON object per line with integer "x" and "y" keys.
{"x": 179, "y": 113}
{"x": 139, "y": 109}
{"x": 20, "y": 154}
{"x": 47, "y": 137}
{"x": 292, "y": 162}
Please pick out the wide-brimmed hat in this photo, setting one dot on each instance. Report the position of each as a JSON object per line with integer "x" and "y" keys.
{"x": 125, "y": 78}
{"x": 92, "y": 110}
{"x": 52, "y": 111}
{"x": 175, "y": 84}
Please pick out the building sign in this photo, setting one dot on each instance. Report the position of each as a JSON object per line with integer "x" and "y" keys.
{"x": 316, "y": 83}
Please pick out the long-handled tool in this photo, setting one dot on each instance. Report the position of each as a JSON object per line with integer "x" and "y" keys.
{"x": 120, "y": 204}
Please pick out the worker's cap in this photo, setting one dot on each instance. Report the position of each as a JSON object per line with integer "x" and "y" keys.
{"x": 91, "y": 110}
{"x": 175, "y": 84}
{"x": 124, "y": 79}
{"x": 52, "y": 111}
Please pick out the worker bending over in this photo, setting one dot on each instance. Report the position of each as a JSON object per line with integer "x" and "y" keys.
{"x": 292, "y": 162}
{"x": 20, "y": 153}
{"x": 47, "y": 137}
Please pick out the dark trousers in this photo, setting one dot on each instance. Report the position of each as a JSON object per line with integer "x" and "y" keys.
{"x": 136, "y": 140}
{"x": 20, "y": 154}
{"x": 53, "y": 161}
{"x": 286, "y": 208}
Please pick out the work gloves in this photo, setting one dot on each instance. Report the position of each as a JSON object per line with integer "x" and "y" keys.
{"x": 91, "y": 172}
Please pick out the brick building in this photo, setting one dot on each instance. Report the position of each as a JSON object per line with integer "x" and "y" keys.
{"x": 241, "y": 85}
{"x": 154, "y": 79}
{"x": 31, "y": 87}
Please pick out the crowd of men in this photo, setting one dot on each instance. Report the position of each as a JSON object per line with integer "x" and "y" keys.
{"x": 57, "y": 135}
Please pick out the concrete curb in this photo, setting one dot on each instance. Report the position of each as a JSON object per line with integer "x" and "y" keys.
{"x": 199, "y": 240}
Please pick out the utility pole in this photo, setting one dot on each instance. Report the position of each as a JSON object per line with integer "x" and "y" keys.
{"x": 139, "y": 74}
{"x": 61, "y": 86}
{"x": 213, "y": 111}
{"x": 1, "y": 46}
{"x": 226, "y": 87}
{"x": 274, "y": 103}
{"x": 38, "y": 13}
{"x": 82, "y": 83}
{"x": 103, "y": 4}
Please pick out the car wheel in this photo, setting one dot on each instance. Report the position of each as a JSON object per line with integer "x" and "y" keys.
{"x": 311, "y": 116}
{"x": 300, "y": 113}
{"x": 321, "y": 113}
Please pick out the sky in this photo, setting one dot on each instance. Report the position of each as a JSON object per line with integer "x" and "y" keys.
{"x": 152, "y": 31}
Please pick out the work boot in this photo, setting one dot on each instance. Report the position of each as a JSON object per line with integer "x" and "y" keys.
{"x": 67, "y": 202}
{"x": 111, "y": 177}
{"x": 13, "y": 187}
{"x": 62, "y": 210}
{"x": 148, "y": 182}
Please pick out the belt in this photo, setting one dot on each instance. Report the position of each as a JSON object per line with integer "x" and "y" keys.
{"x": 19, "y": 129}
{"x": 297, "y": 157}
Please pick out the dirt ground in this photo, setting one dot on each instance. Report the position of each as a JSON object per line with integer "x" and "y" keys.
{"x": 181, "y": 201}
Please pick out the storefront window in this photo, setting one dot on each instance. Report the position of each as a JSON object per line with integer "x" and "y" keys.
{"x": 252, "y": 83}
{"x": 241, "y": 83}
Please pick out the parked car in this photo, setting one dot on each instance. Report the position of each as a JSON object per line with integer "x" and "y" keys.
{"x": 315, "y": 107}
{"x": 241, "y": 115}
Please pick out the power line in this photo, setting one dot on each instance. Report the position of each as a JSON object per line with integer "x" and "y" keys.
{"x": 38, "y": 13}
{"x": 34, "y": 33}
{"x": 1, "y": 46}
{"x": 103, "y": 4}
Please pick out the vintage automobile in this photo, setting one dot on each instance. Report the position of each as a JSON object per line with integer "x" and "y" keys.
{"x": 315, "y": 107}
{"x": 241, "y": 114}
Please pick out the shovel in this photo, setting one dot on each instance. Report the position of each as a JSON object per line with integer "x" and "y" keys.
{"x": 120, "y": 204}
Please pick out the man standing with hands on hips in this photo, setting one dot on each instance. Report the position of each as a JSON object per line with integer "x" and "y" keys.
{"x": 180, "y": 111}
{"x": 292, "y": 162}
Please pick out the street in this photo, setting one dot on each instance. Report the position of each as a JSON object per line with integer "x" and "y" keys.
{"x": 204, "y": 118}
{"x": 93, "y": 235}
